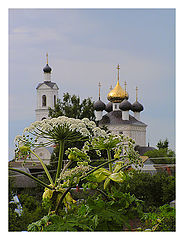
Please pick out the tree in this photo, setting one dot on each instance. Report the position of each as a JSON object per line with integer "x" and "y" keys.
{"x": 163, "y": 144}
{"x": 162, "y": 155}
{"x": 73, "y": 108}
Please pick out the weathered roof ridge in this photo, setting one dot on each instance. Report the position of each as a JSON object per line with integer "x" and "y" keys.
{"x": 115, "y": 117}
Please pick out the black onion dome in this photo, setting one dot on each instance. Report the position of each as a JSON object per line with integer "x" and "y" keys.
{"x": 125, "y": 105}
{"x": 47, "y": 69}
{"x": 137, "y": 107}
{"x": 99, "y": 105}
{"x": 108, "y": 107}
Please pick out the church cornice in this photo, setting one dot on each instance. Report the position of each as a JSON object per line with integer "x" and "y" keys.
{"x": 49, "y": 84}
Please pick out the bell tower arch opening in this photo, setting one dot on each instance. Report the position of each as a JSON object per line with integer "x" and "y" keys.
{"x": 44, "y": 101}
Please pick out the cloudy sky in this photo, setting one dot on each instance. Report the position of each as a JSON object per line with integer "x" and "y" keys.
{"x": 84, "y": 48}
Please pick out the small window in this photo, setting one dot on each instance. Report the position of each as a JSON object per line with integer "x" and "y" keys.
{"x": 43, "y": 101}
{"x": 43, "y": 118}
{"x": 54, "y": 100}
{"x": 121, "y": 132}
{"x": 115, "y": 106}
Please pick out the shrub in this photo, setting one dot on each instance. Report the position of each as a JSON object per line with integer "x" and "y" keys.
{"x": 161, "y": 220}
{"x": 32, "y": 211}
{"x": 154, "y": 190}
{"x": 94, "y": 214}
{"x": 163, "y": 155}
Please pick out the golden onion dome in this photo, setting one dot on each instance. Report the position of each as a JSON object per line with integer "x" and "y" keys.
{"x": 117, "y": 94}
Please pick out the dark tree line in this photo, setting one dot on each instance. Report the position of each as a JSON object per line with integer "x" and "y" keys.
{"x": 71, "y": 106}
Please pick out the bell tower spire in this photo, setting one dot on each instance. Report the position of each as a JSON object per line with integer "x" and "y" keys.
{"x": 47, "y": 70}
{"x": 136, "y": 93}
{"x": 47, "y": 57}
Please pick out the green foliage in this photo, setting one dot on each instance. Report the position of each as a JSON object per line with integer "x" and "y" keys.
{"x": 163, "y": 144}
{"x": 38, "y": 226}
{"x": 68, "y": 222}
{"x": 15, "y": 222}
{"x": 71, "y": 107}
{"x": 32, "y": 211}
{"x": 154, "y": 190}
{"x": 164, "y": 155}
{"x": 161, "y": 220}
{"x": 94, "y": 214}
{"x": 124, "y": 193}
{"x": 104, "y": 175}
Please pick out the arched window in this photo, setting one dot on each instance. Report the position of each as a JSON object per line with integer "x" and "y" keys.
{"x": 43, "y": 101}
{"x": 43, "y": 118}
{"x": 54, "y": 100}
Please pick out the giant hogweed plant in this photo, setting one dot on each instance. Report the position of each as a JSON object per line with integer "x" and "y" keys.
{"x": 60, "y": 130}
{"x": 121, "y": 150}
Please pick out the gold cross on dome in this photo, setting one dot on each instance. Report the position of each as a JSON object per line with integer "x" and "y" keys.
{"x": 125, "y": 85}
{"x": 136, "y": 92}
{"x": 99, "y": 85}
{"x": 47, "y": 57}
{"x": 118, "y": 71}
{"x": 125, "y": 88}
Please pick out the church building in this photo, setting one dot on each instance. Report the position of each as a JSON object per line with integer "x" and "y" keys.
{"x": 118, "y": 118}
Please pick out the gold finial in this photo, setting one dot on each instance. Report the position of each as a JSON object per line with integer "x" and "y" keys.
{"x": 99, "y": 85}
{"x": 118, "y": 72}
{"x": 136, "y": 93}
{"x": 111, "y": 87}
{"x": 47, "y": 57}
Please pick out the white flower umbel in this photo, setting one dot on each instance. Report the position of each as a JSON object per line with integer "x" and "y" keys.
{"x": 97, "y": 131}
{"x": 59, "y": 131}
{"x": 62, "y": 128}
{"x": 18, "y": 138}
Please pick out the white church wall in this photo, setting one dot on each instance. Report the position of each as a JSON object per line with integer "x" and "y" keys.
{"x": 98, "y": 115}
{"x": 115, "y": 106}
{"x": 49, "y": 93}
{"x": 125, "y": 115}
{"x": 42, "y": 111}
{"x": 137, "y": 133}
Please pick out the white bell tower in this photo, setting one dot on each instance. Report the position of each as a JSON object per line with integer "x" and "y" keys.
{"x": 47, "y": 94}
